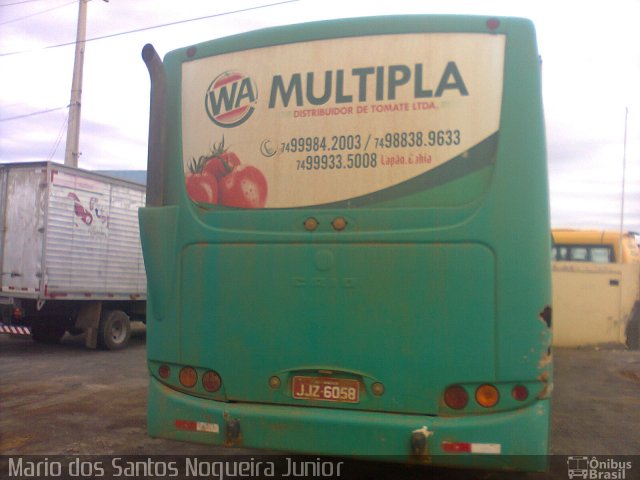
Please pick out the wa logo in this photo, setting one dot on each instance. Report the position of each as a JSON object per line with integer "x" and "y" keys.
{"x": 231, "y": 99}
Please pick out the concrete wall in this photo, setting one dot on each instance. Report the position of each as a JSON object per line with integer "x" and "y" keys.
{"x": 592, "y": 303}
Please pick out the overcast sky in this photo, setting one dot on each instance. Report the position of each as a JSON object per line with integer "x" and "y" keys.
{"x": 591, "y": 74}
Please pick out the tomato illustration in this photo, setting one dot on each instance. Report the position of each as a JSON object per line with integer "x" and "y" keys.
{"x": 244, "y": 187}
{"x": 202, "y": 187}
{"x": 220, "y": 162}
{"x": 221, "y": 165}
{"x": 220, "y": 178}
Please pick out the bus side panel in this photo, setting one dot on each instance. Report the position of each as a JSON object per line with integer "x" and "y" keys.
{"x": 516, "y": 217}
{"x": 158, "y": 231}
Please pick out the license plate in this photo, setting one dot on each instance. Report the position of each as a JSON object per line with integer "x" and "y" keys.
{"x": 326, "y": 389}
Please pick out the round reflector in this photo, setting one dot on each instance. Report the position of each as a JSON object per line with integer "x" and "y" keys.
{"x": 310, "y": 224}
{"x": 188, "y": 377}
{"x": 487, "y": 396}
{"x": 520, "y": 393}
{"x": 339, "y": 224}
{"x": 211, "y": 381}
{"x": 274, "y": 382}
{"x": 377, "y": 389}
{"x": 456, "y": 397}
{"x": 493, "y": 23}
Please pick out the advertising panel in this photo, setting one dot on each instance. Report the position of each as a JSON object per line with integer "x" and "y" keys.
{"x": 334, "y": 122}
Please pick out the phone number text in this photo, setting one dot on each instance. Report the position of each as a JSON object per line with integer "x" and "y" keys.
{"x": 338, "y": 161}
{"x": 323, "y": 144}
{"x": 432, "y": 138}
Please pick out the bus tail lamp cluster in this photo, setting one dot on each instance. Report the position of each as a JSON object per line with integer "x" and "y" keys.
{"x": 188, "y": 378}
{"x": 456, "y": 397}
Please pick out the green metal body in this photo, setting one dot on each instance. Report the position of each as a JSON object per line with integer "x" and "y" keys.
{"x": 441, "y": 286}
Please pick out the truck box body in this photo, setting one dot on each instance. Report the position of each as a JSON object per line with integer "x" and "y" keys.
{"x": 69, "y": 234}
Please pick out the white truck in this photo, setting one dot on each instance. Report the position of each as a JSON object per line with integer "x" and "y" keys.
{"x": 70, "y": 255}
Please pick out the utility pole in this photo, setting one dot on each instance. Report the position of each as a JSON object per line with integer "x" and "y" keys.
{"x": 72, "y": 151}
{"x": 624, "y": 174}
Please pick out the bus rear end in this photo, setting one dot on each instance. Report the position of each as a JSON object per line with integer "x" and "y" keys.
{"x": 347, "y": 245}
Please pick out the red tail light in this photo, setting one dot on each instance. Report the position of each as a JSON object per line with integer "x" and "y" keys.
{"x": 520, "y": 393}
{"x": 164, "y": 371}
{"x": 456, "y": 397}
{"x": 211, "y": 381}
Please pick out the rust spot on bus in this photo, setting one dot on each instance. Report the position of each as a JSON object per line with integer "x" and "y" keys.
{"x": 232, "y": 432}
{"x": 547, "y": 386}
{"x": 545, "y": 360}
{"x": 545, "y": 315}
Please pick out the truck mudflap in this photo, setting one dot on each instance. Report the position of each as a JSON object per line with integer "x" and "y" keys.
{"x": 492, "y": 441}
{"x": 15, "y": 330}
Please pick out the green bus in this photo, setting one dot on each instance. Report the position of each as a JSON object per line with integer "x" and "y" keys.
{"x": 346, "y": 240}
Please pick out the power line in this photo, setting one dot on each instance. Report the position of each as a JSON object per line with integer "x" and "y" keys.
{"x": 37, "y": 13}
{"x": 63, "y": 127}
{"x": 18, "y": 3}
{"x": 33, "y": 114}
{"x": 143, "y": 29}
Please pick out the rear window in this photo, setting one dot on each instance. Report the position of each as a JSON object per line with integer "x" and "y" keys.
{"x": 583, "y": 253}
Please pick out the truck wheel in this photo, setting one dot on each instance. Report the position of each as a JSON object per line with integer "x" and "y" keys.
{"x": 49, "y": 334}
{"x": 114, "y": 330}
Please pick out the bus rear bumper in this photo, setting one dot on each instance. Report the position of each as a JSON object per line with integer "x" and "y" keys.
{"x": 514, "y": 440}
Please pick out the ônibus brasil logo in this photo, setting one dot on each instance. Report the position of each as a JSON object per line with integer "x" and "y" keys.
{"x": 231, "y": 99}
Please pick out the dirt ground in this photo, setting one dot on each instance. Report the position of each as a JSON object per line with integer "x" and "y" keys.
{"x": 67, "y": 400}
{"x": 596, "y": 402}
